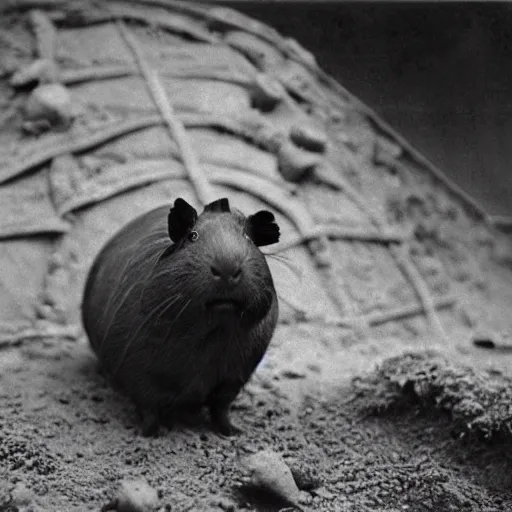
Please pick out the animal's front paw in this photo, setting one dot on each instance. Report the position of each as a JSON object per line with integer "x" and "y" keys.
{"x": 222, "y": 423}
{"x": 150, "y": 423}
{"x": 229, "y": 429}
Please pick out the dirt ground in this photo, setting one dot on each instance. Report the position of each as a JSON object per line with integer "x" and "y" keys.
{"x": 68, "y": 439}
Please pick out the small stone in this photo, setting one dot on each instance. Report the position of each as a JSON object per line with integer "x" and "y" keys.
{"x": 134, "y": 496}
{"x": 304, "y": 498}
{"x": 266, "y": 92}
{"x": 296, "y": 163}
{"x": 488, "y": 339}
{"x": 309, "y": 137}
{"x": 322, "y": 492}
{"x": 49, "y": 105}
{"x": 270, "y": 472}
{"x": 21, "y": 495}
{"x": 293, "y": 374}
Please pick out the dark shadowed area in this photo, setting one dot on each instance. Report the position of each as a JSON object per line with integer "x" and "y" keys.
{"x": 438, "y": 72}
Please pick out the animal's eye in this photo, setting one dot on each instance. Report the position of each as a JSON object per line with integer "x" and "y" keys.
{"x": 247, "y": 237}
{"x": 193, "y": 236}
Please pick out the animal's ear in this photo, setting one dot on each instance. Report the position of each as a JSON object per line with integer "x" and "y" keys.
{"x": 262, "y": 228}
{"x": 221, "y": 205}
{"x": 181, "y": 219}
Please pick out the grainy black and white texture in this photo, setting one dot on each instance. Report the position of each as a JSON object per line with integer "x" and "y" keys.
{"x": 113, "y": 109}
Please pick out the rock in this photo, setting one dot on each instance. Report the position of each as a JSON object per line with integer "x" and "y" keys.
{"x": 49, "y": 105}
{"x": 309, "y": 137}
{"x": 293, "y": 374}
{"x": 134, "y": 496}
{"x": 266, "y": 92}
{"x": 482, "y": 340}
{"x": 269, "y": 472}
{"x": 21, "y": 495}
{"x": 295, "y": 163}
{"x": 491, "y": 340}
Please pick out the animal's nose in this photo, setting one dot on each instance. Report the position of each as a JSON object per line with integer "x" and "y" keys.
{"x": 230, "y": 273}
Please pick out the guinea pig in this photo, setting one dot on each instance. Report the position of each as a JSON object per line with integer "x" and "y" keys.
{"x": 181, "y": 308}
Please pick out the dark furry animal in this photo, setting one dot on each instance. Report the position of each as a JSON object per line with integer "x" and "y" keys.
{"x": 180, "y": 308}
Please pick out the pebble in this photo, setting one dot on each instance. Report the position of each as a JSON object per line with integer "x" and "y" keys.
{"x": 309, "y": 138}
{"x": 491, "y": 340}
{"x": 294, "y": 162}
{"x": 293, "y": 374}
{"x": 134, "y": 496}
{"x": 21, "y": 495}
{"x": 48, "y": 105}
{"x": 322, "y": 492}
{"x": 266, "y": 92}
{"x": 269, "y": 472}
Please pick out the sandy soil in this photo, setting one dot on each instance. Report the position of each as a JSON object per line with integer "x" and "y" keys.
{"x": 68, "y": 439}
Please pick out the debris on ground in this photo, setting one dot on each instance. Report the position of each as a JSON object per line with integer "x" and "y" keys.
{"x": 134, "y": 496}
{"x": 478, "y": 401}
{"x": 269, "y": 472}
{"x": 49, "y": 105}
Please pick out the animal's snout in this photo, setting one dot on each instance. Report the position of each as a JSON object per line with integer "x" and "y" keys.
{"x": 228, "y": 272}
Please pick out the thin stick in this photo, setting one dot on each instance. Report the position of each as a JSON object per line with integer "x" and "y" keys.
{"x": 204, "y": 190}
{"x": 138, "y": 174}
{"x": 91, "y": 73}
{"x": 339, "y": 233}
{"x": 66, "y": 144}
{"x": 19, "y": 230}
{"x": 99, "y": 72}
{"x": 379, "y": 318}
{"x": 419, "y": 285}
{"x": 407, "y": 311}
{"x": 31, "y": 4}
{"x": 52, "y": 331}
{"x": 32, "y": 156}
{"x": 173, "y": 24}
{"x": 45, "y": 34}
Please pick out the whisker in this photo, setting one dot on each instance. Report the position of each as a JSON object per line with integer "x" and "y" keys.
{"x": 293, "y": 267}
{"x": 163, "y": 306}
{"x": 176, "y": 318}
{"x": 114, "y": 313}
